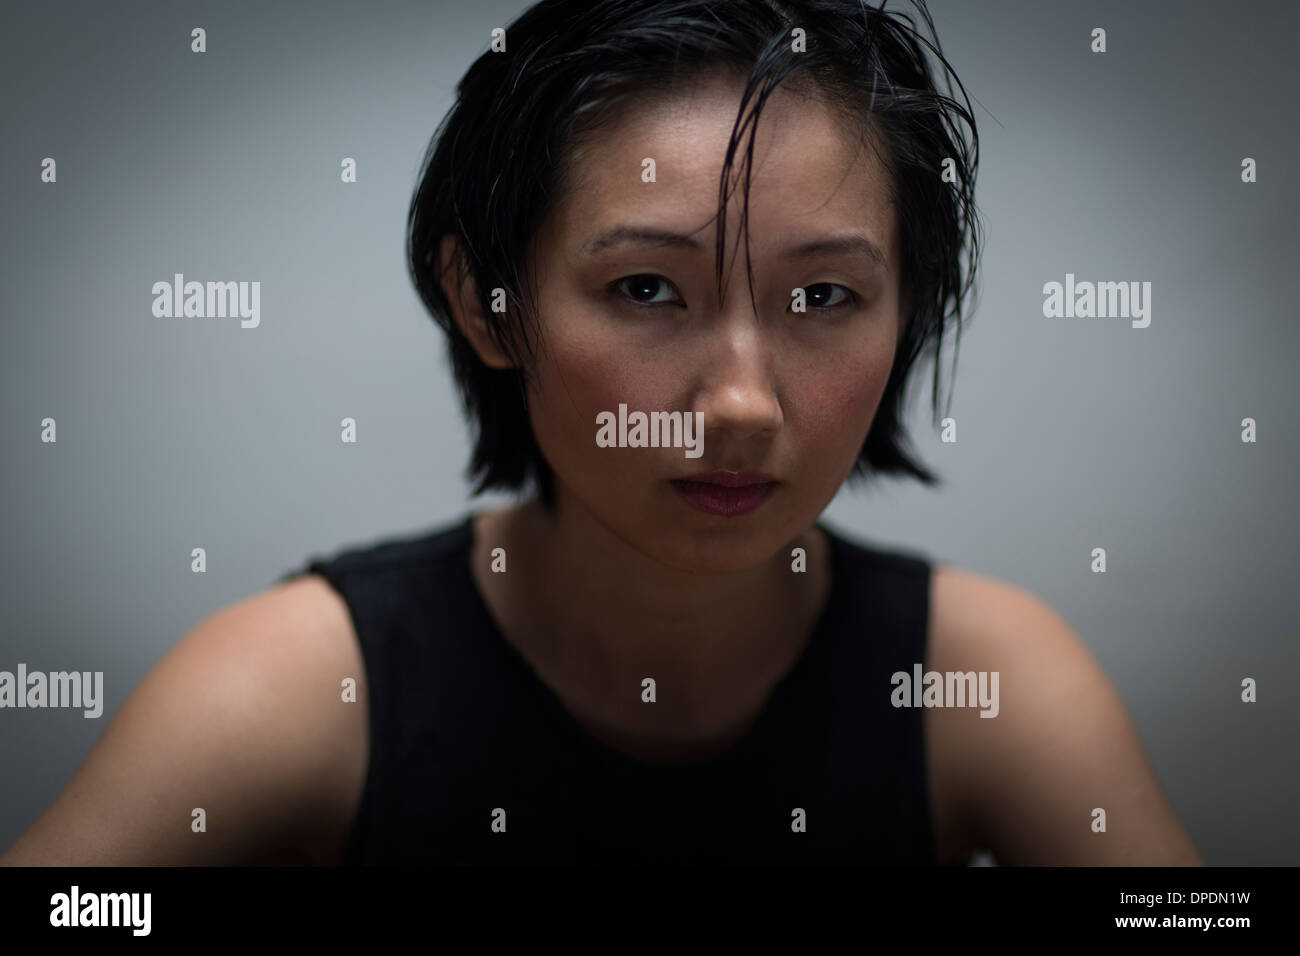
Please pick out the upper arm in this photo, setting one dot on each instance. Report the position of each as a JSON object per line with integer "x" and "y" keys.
{"x": 1061, "y": 746}
{"x": 243, "y": 719}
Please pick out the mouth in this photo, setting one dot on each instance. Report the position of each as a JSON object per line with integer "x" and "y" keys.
{"x": 726, "y": 493}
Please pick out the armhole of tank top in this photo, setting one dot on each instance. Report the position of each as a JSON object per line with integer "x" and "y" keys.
{"x": 327, "y": 571}
{"x": 969, "y": 859}
{"x": 926, "y": 573}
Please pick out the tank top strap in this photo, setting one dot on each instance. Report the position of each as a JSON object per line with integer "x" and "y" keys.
{"x": 881, "y": 629}
{"x": 429, "y": 686}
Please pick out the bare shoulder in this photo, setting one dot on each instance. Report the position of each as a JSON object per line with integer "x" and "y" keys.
{"x": 1026, "y": 779}
{"x": 244, "y": 719}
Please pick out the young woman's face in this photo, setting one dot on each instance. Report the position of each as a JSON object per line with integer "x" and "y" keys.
{"x": 638, "y": 323}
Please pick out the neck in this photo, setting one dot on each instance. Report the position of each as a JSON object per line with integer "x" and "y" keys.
{"x": 607, "y": 614}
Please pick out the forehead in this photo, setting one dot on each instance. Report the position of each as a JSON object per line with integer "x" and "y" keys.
{"x": 811, "y": 168}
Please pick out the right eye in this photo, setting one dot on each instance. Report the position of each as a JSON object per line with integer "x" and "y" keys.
{"x": 643, "y": 288}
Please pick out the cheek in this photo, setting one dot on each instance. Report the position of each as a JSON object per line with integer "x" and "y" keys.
{"x": 569, "y": 392}
{"x": 584, "y": 371}
{"x": 839, "y": 400}
{"x": 591, "y": 363}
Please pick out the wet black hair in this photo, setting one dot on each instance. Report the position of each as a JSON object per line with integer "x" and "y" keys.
{"x": 502, "y": 158}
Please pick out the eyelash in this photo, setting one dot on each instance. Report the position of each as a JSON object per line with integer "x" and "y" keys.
{"x": 850, "y": 297}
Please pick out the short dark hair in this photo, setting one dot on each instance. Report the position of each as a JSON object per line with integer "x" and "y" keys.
{"x": 502, "y": 157}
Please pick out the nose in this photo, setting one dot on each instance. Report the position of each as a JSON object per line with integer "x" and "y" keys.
{"x": 738, "y": 393}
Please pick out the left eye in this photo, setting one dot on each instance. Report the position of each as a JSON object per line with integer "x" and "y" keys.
{"x": 822, "y": 295}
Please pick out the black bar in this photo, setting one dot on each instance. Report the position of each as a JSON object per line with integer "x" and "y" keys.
{"x": 437, "y": 906}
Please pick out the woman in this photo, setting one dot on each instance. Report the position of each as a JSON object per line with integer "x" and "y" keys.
{"x": 663, "y": 655}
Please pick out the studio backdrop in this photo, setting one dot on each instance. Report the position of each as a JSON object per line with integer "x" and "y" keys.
{"x": 1159, "y": 430}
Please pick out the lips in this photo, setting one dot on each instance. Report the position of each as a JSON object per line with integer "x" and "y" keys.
{"x": 726, "y": 493}
{"x": 731, "y": 479}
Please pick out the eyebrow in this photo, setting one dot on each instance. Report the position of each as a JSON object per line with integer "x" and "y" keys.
{"x": 661, "y": 238}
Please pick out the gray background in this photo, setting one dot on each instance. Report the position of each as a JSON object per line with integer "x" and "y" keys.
{"x": 1072, "y": 434}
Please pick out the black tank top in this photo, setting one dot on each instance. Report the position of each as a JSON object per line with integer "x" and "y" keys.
{"x": 466, "y": 738}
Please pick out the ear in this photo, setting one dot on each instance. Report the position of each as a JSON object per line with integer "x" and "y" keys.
{"x": 465, "y": 308}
